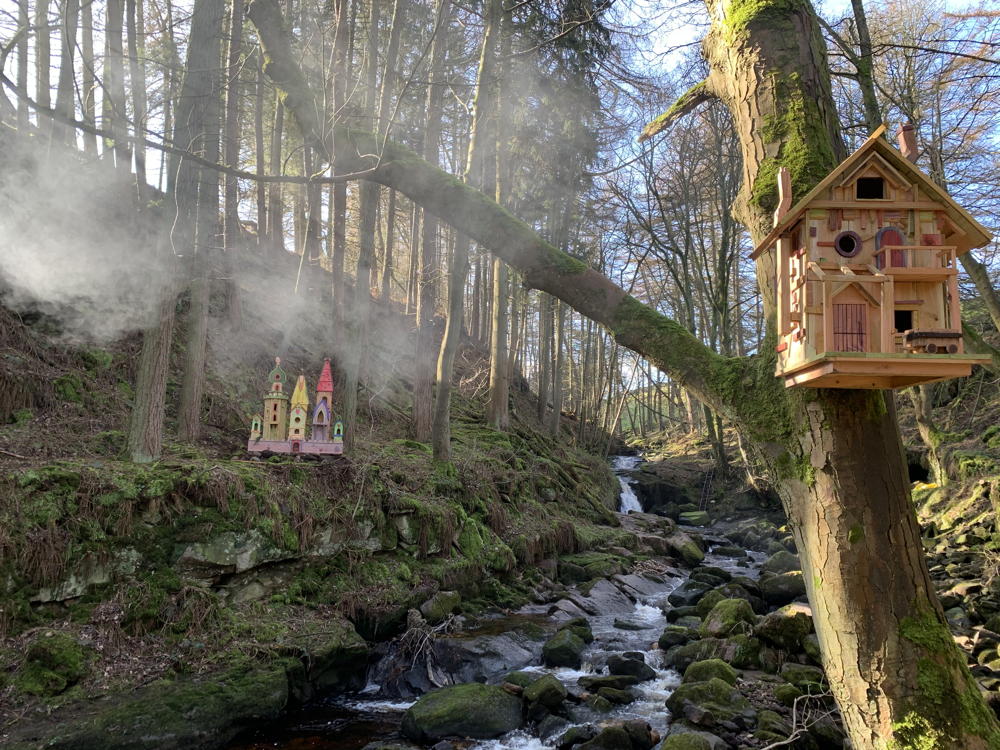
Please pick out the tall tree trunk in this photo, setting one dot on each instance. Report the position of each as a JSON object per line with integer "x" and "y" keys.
{"x": 134, "y": 29}
{"x": 894, "y": 669}
{"x": 43, "y": 63}
{"x": 275, "y": 208}
{"x": 557, "y": 373}
{"x": 23, "y": 25}
{"x": 232, "y": 232}
{"x": 65, "y": 91}
{"x": 113, "y": 102}
{"x": 259, "y": 152}
{"x": 338, "y": 203}
{"x": 201, "y": 87}
{"x": 427, "y": 265}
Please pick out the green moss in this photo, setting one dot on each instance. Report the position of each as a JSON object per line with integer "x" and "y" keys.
{"x": 23, "y": 416}
{"x": 54, "y": 661}
{"x": 69, "y": 387}
{"x": 97, "y": 359}
{"x": 941, "y": 713}
{"x": 741, "y": 14}
{"x": 856, "y": 534}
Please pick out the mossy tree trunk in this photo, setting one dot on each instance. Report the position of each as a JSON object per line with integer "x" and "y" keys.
{"x": 835, "y": 456}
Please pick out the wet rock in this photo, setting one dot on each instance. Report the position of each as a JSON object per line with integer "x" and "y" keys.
{"x": 719, "y": 575}
{"x": 694, "y": 518}
{"x": 521, "y": 679}
{"x": 676, "y": 613}
{"x": 726, "y": 550}
{"x": 957, "y": 618}
{"x": 741, "y": 651}
{"x": 564, "y": 649}
{"x": 728, "y": 617}
{"x": 689, "y": 593}
{"x": 471, "y": 710}
{"x": 580, "y": 627}
{"x": 609, "y": 738}
{"x": 629, "y": 625}
{"x": 715, "y": 701}
{"x": 750, "y": 585}
{"x": 684, "y": 547}
{"x": 576, "y": 735}
{"x": 618, "y": 682}
{"x": 619, "y": 665}
{"x": 439, "y": 606}
{"x": 599, "y": 704}
{"x": 810, "y": 644}
{"x": 781, "y": 561}
{"x": 769, "y": 721}
{"x": 640, "y": 733}
{"x": 547, "y": 691}
{"x": 618, "y": 697}
{"x": 828, "y": 733}
{"x": 702, "y": 671}
{"x": 690, "y": 621}
{"x": 688, "y": 740}
{"x": 675, "y": 635}
{"x": 783, "y": 589}
{"x": 708, "y": 601}
{"x": 786, "y": 627}
{"x": 806, "y": 678}
{"x": 550, "y": 726}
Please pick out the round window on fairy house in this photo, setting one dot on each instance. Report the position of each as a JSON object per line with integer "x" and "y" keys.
{"x": 847, "y": 244}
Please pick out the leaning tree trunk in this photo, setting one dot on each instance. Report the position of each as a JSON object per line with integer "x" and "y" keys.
{"x": 835, "y": 456}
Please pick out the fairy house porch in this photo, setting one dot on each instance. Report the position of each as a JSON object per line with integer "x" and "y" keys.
{"x": 867, "y": 276}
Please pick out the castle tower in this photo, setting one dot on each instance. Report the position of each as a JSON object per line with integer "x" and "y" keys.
{"x": 324, "y": 405}
{"x": 276, "y": 404}
{"x": 297, "y": 416}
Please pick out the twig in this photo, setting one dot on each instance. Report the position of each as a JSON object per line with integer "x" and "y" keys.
{"x": 14, "y": 455}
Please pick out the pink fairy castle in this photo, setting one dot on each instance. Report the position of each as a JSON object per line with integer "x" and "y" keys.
{"x": 283, "y": 426}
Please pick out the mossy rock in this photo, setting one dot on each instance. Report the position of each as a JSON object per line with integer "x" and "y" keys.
{"x": 729, "y": 617}
{"x": 53, "y": 663}
{"x": 783, "y": 589}
{"x": 687, "y": 741}
{"x": 546, "y": 690}
{"x": 806, "y": 678}
{"x": 609, "y": 738}
{"x": 708, "y": 601}
{"x": 769, "y": 721}
{"x": 786, "y": 694}
{"x": 716, "y": 696}
{"x": 618, "y": 697}
{"x": 675, "y": 635}
{"x": 700, "y": 671}
{"x": 521, "y": 679}
{"x": 781, "y": 561}
{"x": 741, "y": 651}
{"x": 684, "y": 547}
{"x": 580, "y": 627}
{"x": 564, "y": 649}
{"x": 438, "y": 607}
{"x": 615, "y": 681}
{"x": 694, "y": 518}
{"x": 471, "y": 710}
{"x": 786, "y": 627}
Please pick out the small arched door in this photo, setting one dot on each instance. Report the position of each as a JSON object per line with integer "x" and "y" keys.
{"x": 888, "y": 237}
{"x": 850, "y": 322}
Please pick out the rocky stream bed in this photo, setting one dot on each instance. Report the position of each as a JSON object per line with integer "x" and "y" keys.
{"x": 705, "y": 644}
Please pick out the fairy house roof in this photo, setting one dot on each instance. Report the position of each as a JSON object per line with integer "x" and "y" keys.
{"x": 969, "y": 233}
{"x": 325, "y": 384}
{"x": 300, "y": 398}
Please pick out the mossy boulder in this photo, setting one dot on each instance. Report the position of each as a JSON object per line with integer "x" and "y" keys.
{"x": 684, "y": 547}
{"x": 609, "y": 738}
{"x": 547, "y": 691}
{"x": 618, "y": 697}
{"x": 615, "y": 681}
{"x": 54, "y": 662}
{"x": 521, "y": 679}
{"x": 675, "y": 635}
{"x": 440, "y": 606}
{"x": 783, "y": 589}
{"x": 786, "y": 694}
{"x": 728, "y": 617}
{"x": 470, "y": 710}
{"x": 781, "y": 561}
{"x": 701, "y": 671}
{"x": 694, "y": 518}
{"x": 620, "y": 665}
{"x": 564, "y": 649}
{"x": 687, "y": 741}
{"x": 786, "y": 627}
{"x": 710, "y": 702}
{"x": 741, "y": 651}
{"x": 689, "y": 593}
{"x": 806, "y": 678}
{"x": 580, "y": 627}
{"x": 708, "y": 601}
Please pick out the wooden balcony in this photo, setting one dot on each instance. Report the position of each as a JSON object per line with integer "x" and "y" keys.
{"x": 917, "y": 262}
{"x": 877, "y": 370}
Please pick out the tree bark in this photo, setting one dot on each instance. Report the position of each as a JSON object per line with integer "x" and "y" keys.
{"x": 65, "y": 93}
{"x": 232, "y": 231}
{"x": 43, "y": 62}
{"x": 23, "y": 24}
{"x": 894, "y": 669}
{"x": 137, "y": 77}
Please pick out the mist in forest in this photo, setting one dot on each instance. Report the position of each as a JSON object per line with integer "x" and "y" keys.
{"x": 71, "y": 243}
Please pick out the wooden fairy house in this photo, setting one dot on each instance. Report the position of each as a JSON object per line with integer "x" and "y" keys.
{"x": 284, "y": 424}
{"x": 867, "y": 276}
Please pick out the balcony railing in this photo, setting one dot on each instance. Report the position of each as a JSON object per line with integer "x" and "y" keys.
{"x": 922, "y": 257}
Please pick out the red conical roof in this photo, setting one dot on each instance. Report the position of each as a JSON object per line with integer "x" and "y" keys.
{"x": 325, "y": 384}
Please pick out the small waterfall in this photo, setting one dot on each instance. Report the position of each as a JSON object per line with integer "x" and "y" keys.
{"x": 627, "y": 500}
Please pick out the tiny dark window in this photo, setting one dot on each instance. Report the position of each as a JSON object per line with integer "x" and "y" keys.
{"x": 847, "y": 244}
{"x": 870, "y": 188}
{"x": 903, "y": 320}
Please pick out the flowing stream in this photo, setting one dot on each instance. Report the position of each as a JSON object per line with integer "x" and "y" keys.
{"x": 627, "y": 616}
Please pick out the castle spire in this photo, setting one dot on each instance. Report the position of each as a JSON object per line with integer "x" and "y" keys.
{"x": 299, "y": 397}
{"x": 325, "y": 384}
